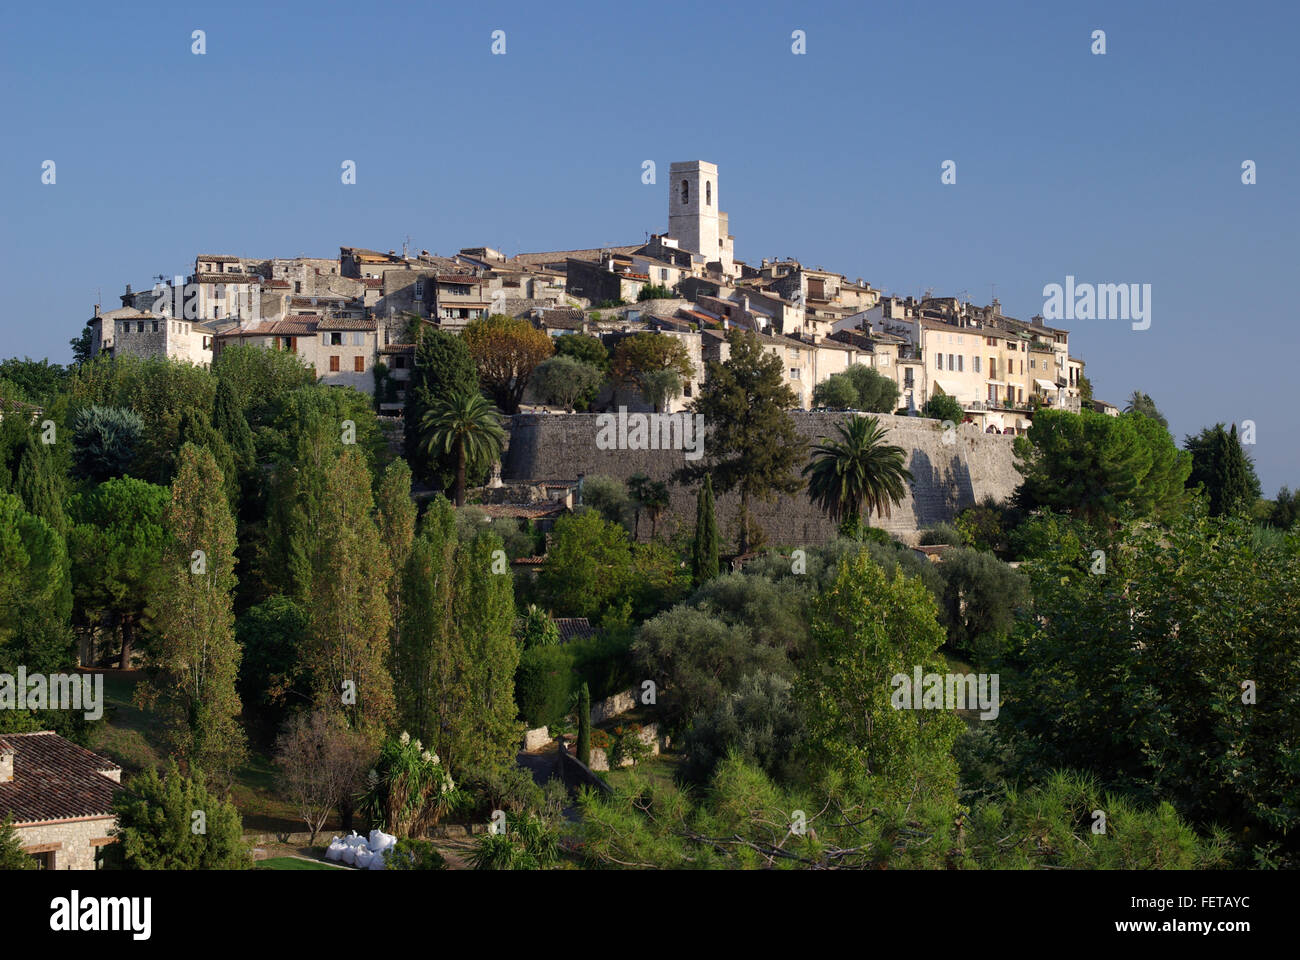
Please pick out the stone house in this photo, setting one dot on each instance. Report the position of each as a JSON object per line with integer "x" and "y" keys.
{"x": 60, "y": 798}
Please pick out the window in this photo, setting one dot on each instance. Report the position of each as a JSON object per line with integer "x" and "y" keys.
{"x": 993, "y": 367}
{"x": 297, "y": 286}
{"x": 358, "y": 338}
{"x": 938, "y": 361}
{"x": 960, "y": 338}
{"x": 663, "y": 274}
{"x": 399, "y": 362}
{"x": 708, "y": 193}
{"x": 1022, "y": 394}
{"x": 139, "y": 327}
{"x": 336, "y": 340}
{"x": 794, "y": 373}
{"x": 951, "y": 364}
{"x": 358, "y": 364}
{"x": 334, "y": 364}
{"x": 686, "y": 191}
{"x": 219, "y": 292}
{"x": 155, "y": 326}
{"x": 977, "y": 364}
{"x": 1033, "y": 364}
{"x": 961, "y": 363}
{"x": 419, "y": 289}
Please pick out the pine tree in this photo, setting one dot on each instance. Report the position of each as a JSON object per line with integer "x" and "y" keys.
{"x": 196, "y": 659}
{"x": 752, "y": 445}
{"x": 704, "y": 550}
{"x": 584, "y": 725}
{"x": 349, "y": 618}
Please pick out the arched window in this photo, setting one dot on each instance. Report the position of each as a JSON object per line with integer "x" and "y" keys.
{"x": 708, "y": 193}
{"x": 686, "y": 191}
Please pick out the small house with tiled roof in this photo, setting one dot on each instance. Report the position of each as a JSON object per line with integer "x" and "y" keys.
{"x": 59, "y": 797}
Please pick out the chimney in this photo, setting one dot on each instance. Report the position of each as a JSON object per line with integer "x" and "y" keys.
{"x": 96, "y": 309}
{"x": 6, "y": 763}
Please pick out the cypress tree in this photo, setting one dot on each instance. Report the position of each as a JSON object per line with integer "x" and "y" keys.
{"x": 443, "y": 368}
{"x": 41, "y": 486}
{"x": 704, "y": 552}
{"x": 584, "y": 725}
{"x": 229, "y": 420}
{"x": 1234, "y": 494}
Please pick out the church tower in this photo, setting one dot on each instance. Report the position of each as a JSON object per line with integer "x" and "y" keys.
{"x": 693, "y": 207}
{"x": 694, "y": 220}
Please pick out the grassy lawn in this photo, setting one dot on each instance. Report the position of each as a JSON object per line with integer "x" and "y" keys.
{"x": 293, "y": 863}
{"x": 660, "y": 769}
{"x": 135, "y": 739}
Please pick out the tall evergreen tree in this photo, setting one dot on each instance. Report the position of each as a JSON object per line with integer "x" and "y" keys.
{"x": 41, "y": 485}
{"x": 395, "y": 514}
{"x": 443, "y": 367}
{"x": 426, "y": 661}
{"x": 229, "y": 420}
{"x": 704, "y": 548}
{"x": 347, "y": 644}
{"x": 195, "y": 663}
{"x": 584, "y": 725}
{"x": 455, "y": 661}
{"x": 1222, "y": 469}
{"x": 752, "y": 445}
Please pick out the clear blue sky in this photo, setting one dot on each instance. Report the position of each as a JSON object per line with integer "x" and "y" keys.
{"x": 1117, "y": 168}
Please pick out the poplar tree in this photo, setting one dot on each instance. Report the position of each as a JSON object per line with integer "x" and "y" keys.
{"x": 456, "y": 655}
{"x": 704, "y": 551}
{"x": 395, "y": 514}
{"x": 349, "y": 618}
{"x": 195, "y": 662}
{"x": 427, "y": 660}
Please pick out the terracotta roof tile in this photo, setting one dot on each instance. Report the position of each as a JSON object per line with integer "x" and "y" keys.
{"x": 54, "y": 779}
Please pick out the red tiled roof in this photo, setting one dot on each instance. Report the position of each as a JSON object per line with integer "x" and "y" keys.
{"x": 54, "y": 779}
{"x": 375, "y": 282}
{"x": 574, "y": 628}
{"x": 338, "y": 323}
{"x": 529, "y": 511}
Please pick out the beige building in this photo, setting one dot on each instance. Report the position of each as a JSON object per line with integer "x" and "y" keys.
{"x": 60, "y": 798}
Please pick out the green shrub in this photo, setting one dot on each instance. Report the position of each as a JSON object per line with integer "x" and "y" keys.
{"x": 941, "y": 533}
{"x": 409, "y": 854}
{"x": 543, "y": 685}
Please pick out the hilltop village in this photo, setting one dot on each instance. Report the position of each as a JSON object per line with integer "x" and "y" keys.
{"x": 355, "y": 318}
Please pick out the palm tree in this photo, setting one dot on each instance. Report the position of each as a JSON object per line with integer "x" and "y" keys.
{"x": 858, "y": 470}
{"x": 467, "y": 424}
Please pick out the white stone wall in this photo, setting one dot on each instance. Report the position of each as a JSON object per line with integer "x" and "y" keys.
{"x": 75, "y": 840}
